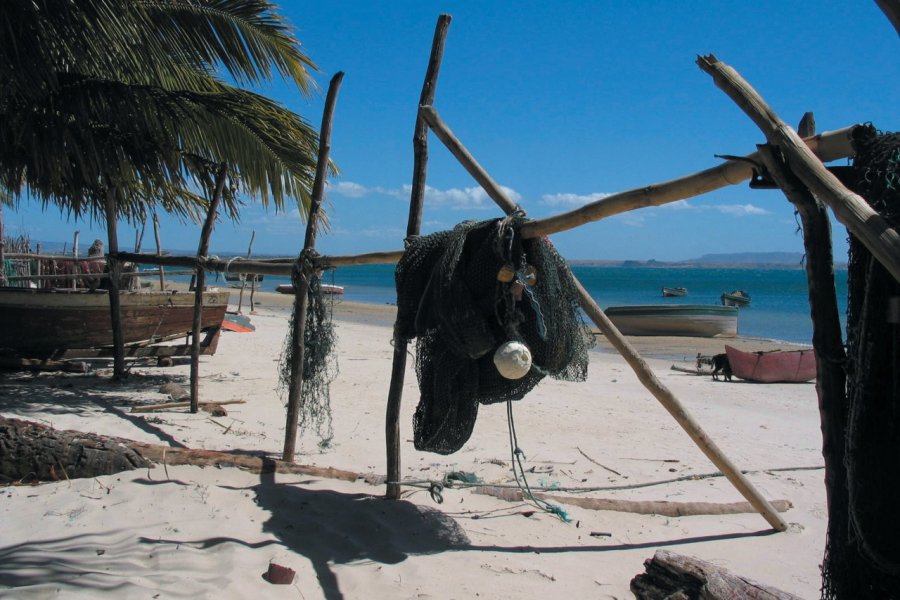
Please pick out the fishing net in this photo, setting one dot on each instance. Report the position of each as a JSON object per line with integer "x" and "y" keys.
{"x": 863, "y": 554}
{"x": 320, "y": 366}
{"x": 462, "y": 294}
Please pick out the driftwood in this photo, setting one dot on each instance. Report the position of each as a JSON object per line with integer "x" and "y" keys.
{"x": 39, "y": 364}
{"x": 642, "y": 507}
{"x": 32, "y": 451}
{"x": 671, "y": 576}
{"x": 169, "y": 405}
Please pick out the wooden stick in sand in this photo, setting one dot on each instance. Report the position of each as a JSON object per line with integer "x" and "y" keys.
{"x": 416, "y": 200}
{"x": 634, "y": 360}
{"x": 115, "y": 308}
{"x": 302, "y": 286}
{"x": 202, "y": 250}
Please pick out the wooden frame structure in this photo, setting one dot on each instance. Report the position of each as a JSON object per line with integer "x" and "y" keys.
{"x": 807, "y": 156}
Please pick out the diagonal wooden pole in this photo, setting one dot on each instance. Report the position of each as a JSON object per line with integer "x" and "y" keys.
{"x": 635, "y": 361}
{"x": 416, "y": 200}
{"x": 301, "y": 302}
{"x": 850, "y": 209}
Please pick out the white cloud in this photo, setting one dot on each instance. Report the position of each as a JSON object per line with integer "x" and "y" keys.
{"x": 456, "y": 198}
{"x": 565, "y": 199}
{"x": 740, "y": 210}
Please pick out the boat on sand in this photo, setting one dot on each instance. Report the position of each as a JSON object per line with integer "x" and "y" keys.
{"x": 788, "y": 366}
{"x": 44, "y": 323}
{"x": 693, "y": 320}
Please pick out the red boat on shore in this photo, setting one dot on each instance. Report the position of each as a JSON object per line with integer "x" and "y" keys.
{"x": 777, "y": 366}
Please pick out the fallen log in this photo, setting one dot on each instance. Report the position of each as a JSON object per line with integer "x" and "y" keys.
{"x": 168, "y": 405}
{"x": 641, "y": 507}
{"x": 33, "y": 451}
{"x": 672, "y": 576}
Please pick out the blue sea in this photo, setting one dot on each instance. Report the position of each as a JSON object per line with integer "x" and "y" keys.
{"x": 779, "y": 309}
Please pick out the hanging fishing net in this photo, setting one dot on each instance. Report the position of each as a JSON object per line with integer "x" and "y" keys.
{"x": 462, "y": 294}
{"x": 863, "y": 553}
{"x": 320, "y": 366}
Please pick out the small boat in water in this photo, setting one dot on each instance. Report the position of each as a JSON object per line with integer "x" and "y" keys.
{"x": 327, "y": 288}
{"x": 735, "y": 298}
{"x": 788, "y": 366}
{"x": 693, "y": 320}
{"x": 674, "y": 292}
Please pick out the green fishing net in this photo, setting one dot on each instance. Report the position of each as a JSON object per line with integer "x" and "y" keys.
{"x": 453, "y": 299}
{"x": 320, "y": 365}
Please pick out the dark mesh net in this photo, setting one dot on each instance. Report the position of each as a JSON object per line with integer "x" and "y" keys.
{"x": 449, "y": 297}
{"x": 863, "y": 555}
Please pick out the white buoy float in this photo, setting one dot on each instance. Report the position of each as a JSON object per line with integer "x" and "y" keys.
{"x": 513, "y": 360}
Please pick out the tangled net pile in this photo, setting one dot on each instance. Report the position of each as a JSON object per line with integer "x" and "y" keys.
{"x": 320, "y": 366}
{"x": 462, "y": 294}
{"x": 867, "y": 563}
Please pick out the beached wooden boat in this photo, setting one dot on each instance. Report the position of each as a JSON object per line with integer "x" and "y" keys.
{"x": 327, "y": 288}
{"x": 239, "y": 277}
{"x": 49, "y": 322}
{"x": 735, "y": 298}
{"x": 674, "y": 292}
{"x": 693, "y": 320}
{"x": 789, "y": 366}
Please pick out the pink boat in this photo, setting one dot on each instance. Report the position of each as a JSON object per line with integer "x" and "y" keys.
{"x": 793, "y": 366}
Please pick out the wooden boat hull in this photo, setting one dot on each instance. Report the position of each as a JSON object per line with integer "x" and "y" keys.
{"x": 42, "y": 322}
{"x": 691, "y": 320}
{"x": 778, "y": 366}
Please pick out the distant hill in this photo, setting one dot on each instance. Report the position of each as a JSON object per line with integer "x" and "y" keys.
{"x": 756, "y": 258}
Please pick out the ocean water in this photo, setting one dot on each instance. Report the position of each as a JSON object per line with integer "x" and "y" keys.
{"x": 779, "y": 309}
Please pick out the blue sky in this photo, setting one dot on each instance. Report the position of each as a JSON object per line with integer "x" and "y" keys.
{"x": 561, "y": 102}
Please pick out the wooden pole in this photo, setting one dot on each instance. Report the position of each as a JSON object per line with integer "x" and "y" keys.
{"x": 831, "y": 376}
{"x": 301, "y": 300}
{"x": 413, "y": 226}
{"x": 244, "y": 279}
{"x": 75, "y": 254}
{"x": 200, "y": 286}
{"x": 851, "y": 210}
{"x": 829, "y": 146}
{"x": 3, "y": 282}
{"x": 115, "y": 307}
{"x": 162, "y": 273}
{"x": 642, "y": 370}
{"x": 891, "y": 9}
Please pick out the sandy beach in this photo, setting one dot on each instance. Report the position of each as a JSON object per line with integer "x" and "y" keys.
{"x": 184, "y": 531}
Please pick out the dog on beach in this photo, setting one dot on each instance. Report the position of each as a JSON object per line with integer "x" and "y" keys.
{"x": 721, "y": 365}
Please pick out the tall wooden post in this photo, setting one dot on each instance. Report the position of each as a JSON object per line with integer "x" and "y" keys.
{"x": 417, "y": 198}
{"x": 301, "y": 301}
{"x": 162, "y": 274}
{"x": 74, "y": 282}
{"x": 200, "y": 284}
{"x": 3, "y": 281}
{"x": 831, "y": 376}
{"x": 244, "y": 278}
{"x": 644, "y": 374}
{"x": 115, "y": 305}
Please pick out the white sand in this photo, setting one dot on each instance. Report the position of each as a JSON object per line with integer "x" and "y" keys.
{"x": 195, "y": 532}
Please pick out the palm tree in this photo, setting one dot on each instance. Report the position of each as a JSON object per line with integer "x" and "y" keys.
{"x": 110, "y": 107}
{"x": 124, "y": 95}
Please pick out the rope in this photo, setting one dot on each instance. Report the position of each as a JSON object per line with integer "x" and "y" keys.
{"x": 231, "y": 260}
{"x": 517, "y": 456}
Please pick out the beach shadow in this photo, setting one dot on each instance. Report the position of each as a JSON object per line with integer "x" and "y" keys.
{"x": 327, "y": 526}
{"x": 23, "y": 395}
